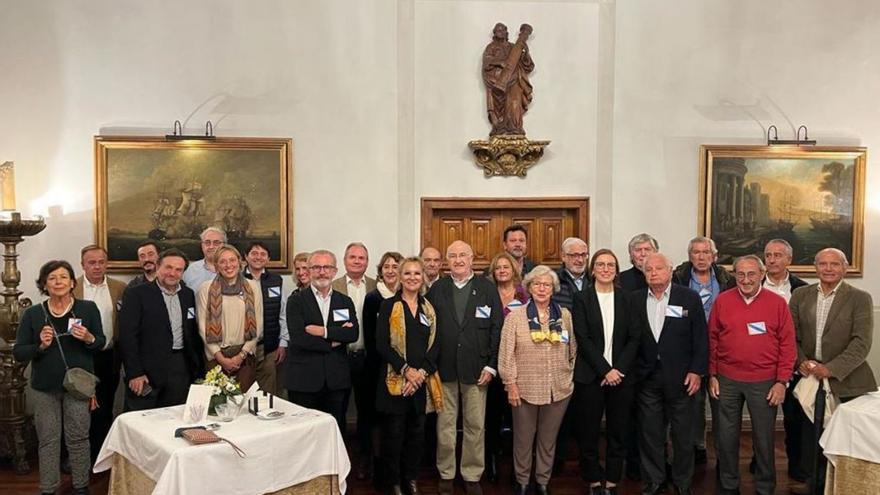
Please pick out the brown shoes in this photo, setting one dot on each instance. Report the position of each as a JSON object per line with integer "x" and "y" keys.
{"x": 444, "y": 487}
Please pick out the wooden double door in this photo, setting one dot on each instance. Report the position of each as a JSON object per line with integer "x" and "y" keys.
{"x": 481, "y": 222}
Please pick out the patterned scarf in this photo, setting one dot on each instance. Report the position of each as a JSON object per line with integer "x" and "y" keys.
{"x": 394, "y": 381}
{"x": 219, "y": 288}
{"x": 538, "y": 334}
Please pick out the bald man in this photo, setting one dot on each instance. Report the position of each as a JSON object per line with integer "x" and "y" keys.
{"x": 469, "y": 321}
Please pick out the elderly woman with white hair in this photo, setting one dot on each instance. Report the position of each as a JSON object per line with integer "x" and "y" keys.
{"x": 536, "y": 362}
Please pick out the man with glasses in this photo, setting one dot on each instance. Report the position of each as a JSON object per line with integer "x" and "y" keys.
{"x": 573, "y": 274}
{"x": 321, "y": 323}
{"x": 751, "y": 358}
{"x": 199, "y": 272}
{"x": 469, "y": 320}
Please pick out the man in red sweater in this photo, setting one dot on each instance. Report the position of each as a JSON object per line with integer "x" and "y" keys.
{"x": 752, "y": 352}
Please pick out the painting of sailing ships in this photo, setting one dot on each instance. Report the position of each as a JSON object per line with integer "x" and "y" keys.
{"x": 170, "y": 191}
{"x": 813, "y": 197}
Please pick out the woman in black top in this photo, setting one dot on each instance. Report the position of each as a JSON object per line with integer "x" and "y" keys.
{"x": 405, "y": 332}
{"x": 607, "y": 333}
{"x": 75, "y": 326}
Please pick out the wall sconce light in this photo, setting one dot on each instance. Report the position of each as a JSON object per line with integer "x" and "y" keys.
{"x": 178, "y": 135}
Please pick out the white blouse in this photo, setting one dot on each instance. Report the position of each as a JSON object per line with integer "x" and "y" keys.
{"x": 606, "y": 305}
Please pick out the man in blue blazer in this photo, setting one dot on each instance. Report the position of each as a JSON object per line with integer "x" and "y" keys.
{"x": 321, "y": 323}
{"x": 673, "y": 359}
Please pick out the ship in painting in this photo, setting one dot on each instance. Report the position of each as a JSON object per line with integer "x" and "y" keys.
{"x": 181, "y": 218}
{"x": 234, "y": 216}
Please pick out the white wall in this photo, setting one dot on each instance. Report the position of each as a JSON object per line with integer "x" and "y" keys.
{"x": 382, "y": 96}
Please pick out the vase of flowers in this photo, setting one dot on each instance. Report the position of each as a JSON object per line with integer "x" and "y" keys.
{"x": 225, "y": 388}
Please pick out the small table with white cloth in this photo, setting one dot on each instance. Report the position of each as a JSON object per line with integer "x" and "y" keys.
{"x": 851, "y": 442}
{"x": 305, "y": 446}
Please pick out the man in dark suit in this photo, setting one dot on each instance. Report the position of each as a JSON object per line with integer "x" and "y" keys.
{"x": 321, "y": 322}
{"x": 834, "y": 323}
{"x": 161, "y": 348}
{"x": 672, "y": 360}
{"x": 632, "y": 280}
{"x": 469, "y": 320}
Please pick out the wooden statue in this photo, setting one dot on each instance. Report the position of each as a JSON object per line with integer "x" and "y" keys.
{"x": 506, "y": 67}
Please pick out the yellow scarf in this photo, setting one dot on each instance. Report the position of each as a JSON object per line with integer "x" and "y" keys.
{"x": 394, "y": 381}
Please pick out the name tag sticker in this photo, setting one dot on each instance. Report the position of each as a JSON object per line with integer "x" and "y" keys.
{"x": 424, "y": 320}
{"x": 483, "y": 312}
{"x": 274, "y": 291}
{"x": 190, "y": 313}
{"x": 564, "y": 336}
{"x": 673, "y": 311}
{"x": 757, "y": 328}
{"x": 514, "y": 304}
{"x": 340, "y": 314}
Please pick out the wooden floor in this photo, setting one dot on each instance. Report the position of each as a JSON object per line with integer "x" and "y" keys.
{"x": 567, "y": 483}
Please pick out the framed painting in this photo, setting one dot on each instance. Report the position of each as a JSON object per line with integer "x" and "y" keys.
{"x": 813, "y": 197}
{"x": 150, "y": 188}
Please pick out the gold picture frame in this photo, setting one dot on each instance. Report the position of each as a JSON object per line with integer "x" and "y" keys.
{"x": 168, "y": 191}
{"x": 811, "y": 196}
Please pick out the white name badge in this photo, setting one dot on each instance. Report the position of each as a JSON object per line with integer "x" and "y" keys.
{"x": 564, "y": 336}
{"x": 757, "y": 328}
{"x": 424, "y": 320}
{"x": 483, "y": 312}
{"x": 516, "y": 303}
{"x": 274, "y": 291}
{"x": 190, "y": 313}
{"x": 673, "y": 311}
{"x": 340, "y": 314}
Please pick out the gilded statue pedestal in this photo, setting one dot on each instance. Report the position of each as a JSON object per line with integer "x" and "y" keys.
{"x": 16, "y": 427}
{"x": 507, "y": 154}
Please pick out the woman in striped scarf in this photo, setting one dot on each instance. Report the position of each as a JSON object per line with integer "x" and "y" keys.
{"x": 230, "y": 311}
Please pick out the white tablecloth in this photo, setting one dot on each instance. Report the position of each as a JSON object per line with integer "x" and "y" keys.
{"x": 854, "y": 430}
{"x": 301, "y": 446}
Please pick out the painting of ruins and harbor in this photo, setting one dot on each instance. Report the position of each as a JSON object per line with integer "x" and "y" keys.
{"x": 813, "y": 197}
{"x": 169, "y": 191}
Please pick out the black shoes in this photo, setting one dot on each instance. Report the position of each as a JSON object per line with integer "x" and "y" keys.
{"x": 411, "y": 488}
{"x": 652, "y": 489}
{"x": 542, "y": 489}
{"x": 519, "y": 489}
{"x": 473, "y": 488}
{"x": 395, "y": 490}
{"x": 491, "y": 469}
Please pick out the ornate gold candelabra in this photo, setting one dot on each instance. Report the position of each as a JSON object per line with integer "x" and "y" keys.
{"x": 15, "y": 425}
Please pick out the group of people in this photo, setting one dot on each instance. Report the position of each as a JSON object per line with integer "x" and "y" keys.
{"x": 554, "y": 351}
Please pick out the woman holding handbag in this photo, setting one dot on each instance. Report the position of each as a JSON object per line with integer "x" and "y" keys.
{"x": 409, "y": 384}
{"x": 230, "y": 311}
{"x": 58, "y": 335}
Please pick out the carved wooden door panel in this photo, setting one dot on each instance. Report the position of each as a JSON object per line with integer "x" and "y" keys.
{"x": 481, "y": 221}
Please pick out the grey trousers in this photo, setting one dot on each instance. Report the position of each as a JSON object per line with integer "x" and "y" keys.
{"x": 49, "y": 408}
{"x": 732, "y": 395}
{"x": 536, "y": 426}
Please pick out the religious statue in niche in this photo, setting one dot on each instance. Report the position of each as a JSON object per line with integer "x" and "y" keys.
{"x": 506, "y": 69}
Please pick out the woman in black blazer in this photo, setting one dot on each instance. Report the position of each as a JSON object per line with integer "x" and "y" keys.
{"x": 608, "y": 334}
{"x": 405, "y": 340}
